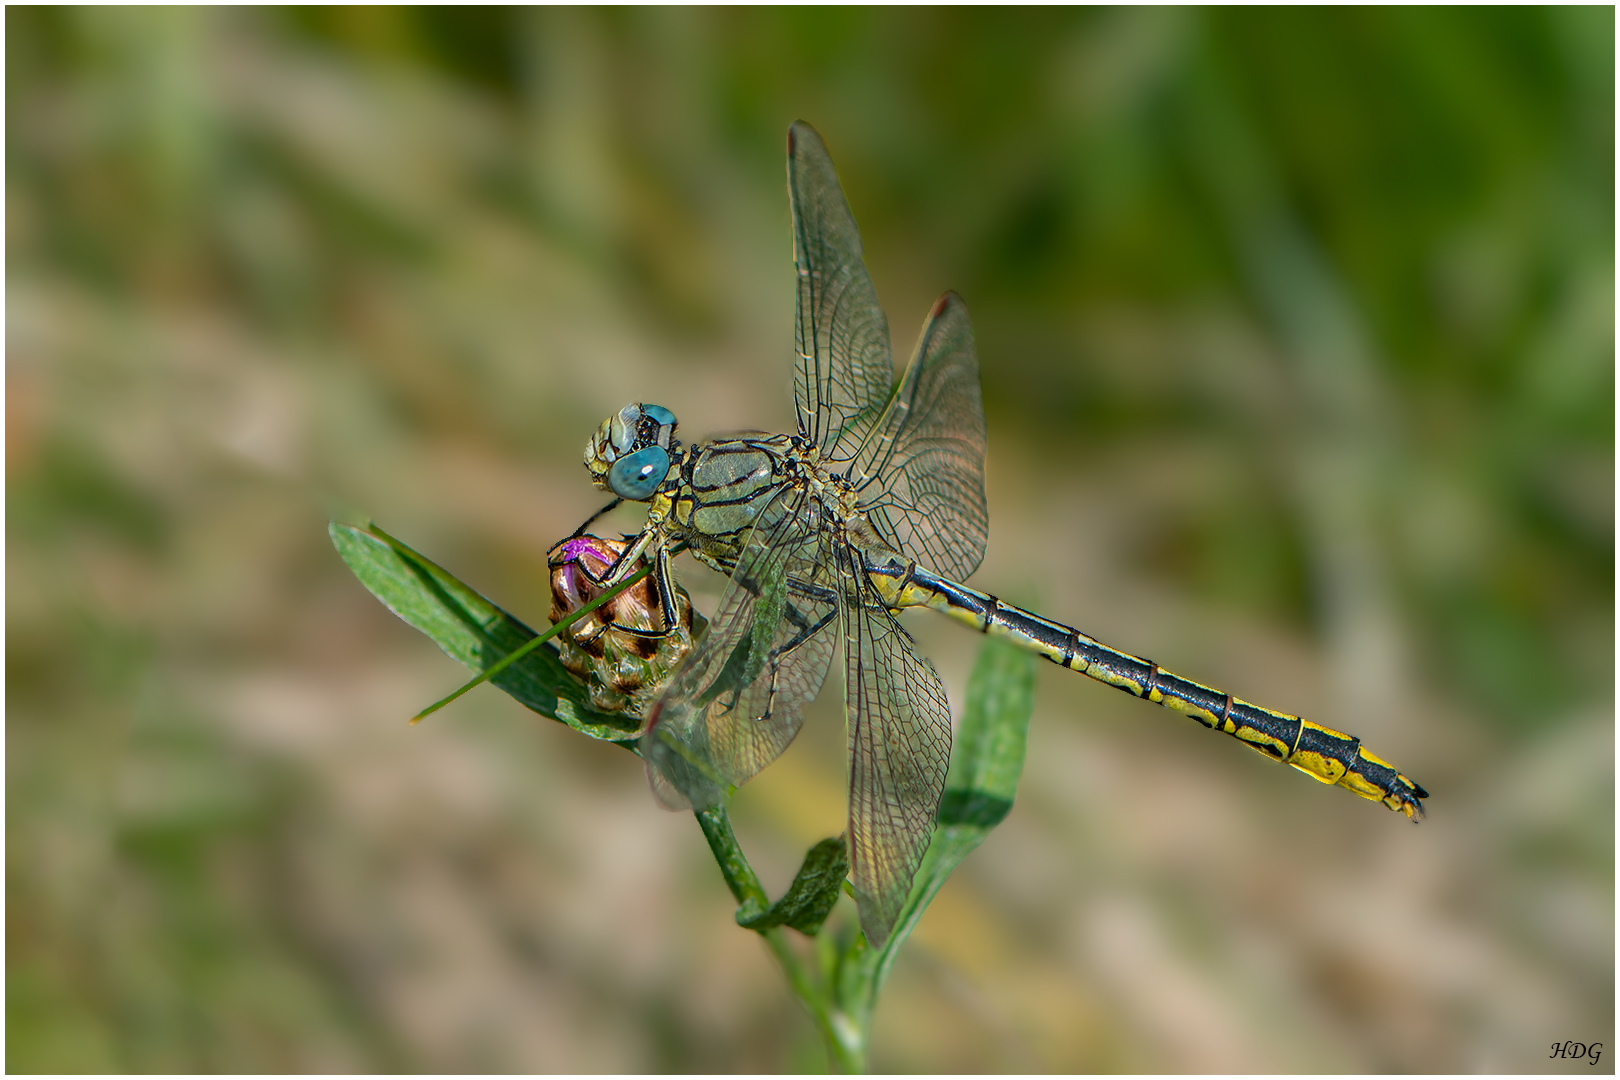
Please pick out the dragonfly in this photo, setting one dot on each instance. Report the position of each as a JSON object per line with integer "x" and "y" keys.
{"x": 874, "y": 504}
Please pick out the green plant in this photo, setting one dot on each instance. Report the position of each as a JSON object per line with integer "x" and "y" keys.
{"x": 838, "y": 977}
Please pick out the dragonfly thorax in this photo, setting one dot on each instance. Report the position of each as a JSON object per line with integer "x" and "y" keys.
{"x": 632, "y": 452}
{"x": 727, "y": 487}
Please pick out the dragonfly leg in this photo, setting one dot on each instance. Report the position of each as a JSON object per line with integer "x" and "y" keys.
{"x": 630, "y": 558}
{"x": 770, "y": 698}
{"x": 664, "y": 582}
{"x": 579, "y": 532}
{"x": 786, "y": 649}
{"x": 663, "y": 587}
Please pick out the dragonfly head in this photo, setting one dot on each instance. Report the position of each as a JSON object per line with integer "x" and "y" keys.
{"x": 630, "y": 454}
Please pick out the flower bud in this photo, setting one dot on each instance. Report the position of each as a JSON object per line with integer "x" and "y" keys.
{"x": 623, "y": 651}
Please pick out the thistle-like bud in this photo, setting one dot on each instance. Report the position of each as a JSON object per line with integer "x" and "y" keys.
{"x": 623, "y": 651}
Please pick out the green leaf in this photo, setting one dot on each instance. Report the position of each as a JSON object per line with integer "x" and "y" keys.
{"x": 472, "y": 630}
{"x": 988, "y": 757}
{"x": 812, "y": 895}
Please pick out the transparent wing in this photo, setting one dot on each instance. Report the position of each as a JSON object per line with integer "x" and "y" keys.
{"x": 899, "y": 728}
{"x": 921, "y": 476}
{"x": 845, "y": 370}
{"x": 738, "y": 700}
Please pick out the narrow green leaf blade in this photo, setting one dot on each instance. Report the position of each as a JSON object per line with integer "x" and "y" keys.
{"x": 471, "y": 629}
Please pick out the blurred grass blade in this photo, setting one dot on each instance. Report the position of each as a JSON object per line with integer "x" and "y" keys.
{"x": 812, "y": 895}
{"x": 472, "y": 630}
{"x": 987, "y": 760}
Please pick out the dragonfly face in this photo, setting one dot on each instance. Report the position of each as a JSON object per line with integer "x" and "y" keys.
{"x": 631, "y": 453}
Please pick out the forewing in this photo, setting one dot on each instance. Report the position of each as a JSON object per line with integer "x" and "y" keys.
{"x": 921, "y": 477}
{"x": 899, "y": 727}
{"x": 845, "y": 370}
{"x": 738, "y": 700}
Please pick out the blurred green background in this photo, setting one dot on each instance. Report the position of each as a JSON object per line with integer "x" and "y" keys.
{"x": 1297, "y": 338}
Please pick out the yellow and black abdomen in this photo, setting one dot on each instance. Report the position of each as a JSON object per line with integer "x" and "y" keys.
{"x": 1330, "y": 756}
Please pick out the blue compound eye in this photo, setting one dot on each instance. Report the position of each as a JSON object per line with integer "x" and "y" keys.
{"x": 660, "y": 415}
{"x": 636, "y": 476}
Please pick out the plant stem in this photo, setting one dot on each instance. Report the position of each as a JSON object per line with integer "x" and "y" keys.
{"x": 845, "y": 1043}
{"x": 734, "y": 866}
{"x": 842, "y": 1032}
